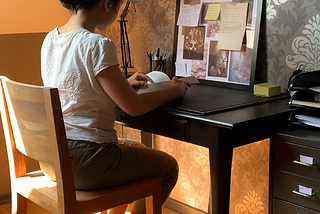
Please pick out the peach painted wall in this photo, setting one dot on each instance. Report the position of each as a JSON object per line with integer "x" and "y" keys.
{"x": 31, "y": 16}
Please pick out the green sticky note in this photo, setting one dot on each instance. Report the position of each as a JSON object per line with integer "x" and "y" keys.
{"x": 213, "y": 12}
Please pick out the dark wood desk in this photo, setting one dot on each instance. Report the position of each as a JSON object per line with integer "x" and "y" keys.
{"x": 220, "y": 131}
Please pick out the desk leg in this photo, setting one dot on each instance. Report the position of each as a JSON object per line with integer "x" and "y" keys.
{"x": 147, "y": 139}
{"x": 220, "y": 153}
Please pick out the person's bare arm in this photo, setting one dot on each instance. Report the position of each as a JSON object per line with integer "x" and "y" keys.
{"x": 120, "y": 91}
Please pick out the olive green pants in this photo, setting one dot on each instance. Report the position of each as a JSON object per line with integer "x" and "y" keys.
{"x": 97, "y": 166}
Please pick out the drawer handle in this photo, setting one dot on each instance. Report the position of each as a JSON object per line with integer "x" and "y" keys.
{"x": 296, "y": 191}
{"x": 304, "y": 164}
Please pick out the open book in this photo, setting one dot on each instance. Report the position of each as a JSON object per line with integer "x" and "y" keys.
{"x": 162, "y": 81}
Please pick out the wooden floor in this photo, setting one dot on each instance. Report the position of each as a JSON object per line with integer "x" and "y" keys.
{"x": 35, "y": 209}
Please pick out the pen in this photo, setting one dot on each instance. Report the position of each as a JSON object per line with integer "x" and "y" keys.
{"x": 158, "y": 52}
{"x": 149, "y": 55}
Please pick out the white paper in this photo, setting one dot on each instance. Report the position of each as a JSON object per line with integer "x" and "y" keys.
{"x": 189, "y": 15}
{"x": 317, "y": 88}
{"x": 308, "y": 120}
{"x": 190, "y": 79}
{"x": 181, "y": 69}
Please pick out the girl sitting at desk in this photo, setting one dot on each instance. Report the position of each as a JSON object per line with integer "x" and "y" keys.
{"x": 84, "y": 67}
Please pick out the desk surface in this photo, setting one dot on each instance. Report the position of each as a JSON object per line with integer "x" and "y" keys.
{"x": 225, "y": 107}
{"x": 204, "y": 99}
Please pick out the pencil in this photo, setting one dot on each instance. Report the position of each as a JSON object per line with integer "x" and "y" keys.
{"x": 159, "y": 66}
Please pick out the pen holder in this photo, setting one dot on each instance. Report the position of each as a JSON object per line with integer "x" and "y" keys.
{"x": 158, "y": 65}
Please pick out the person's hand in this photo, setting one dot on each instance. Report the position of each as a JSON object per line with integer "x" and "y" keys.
{"x": 182, "y": 85}
{"x": 138, "y": 80}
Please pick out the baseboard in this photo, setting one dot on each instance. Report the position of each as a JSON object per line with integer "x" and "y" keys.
{"x": 181, "y": 207}
{"x": 5, "y": 198}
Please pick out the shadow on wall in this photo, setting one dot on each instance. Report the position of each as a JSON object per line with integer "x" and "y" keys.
{"x": 20, "y": 61}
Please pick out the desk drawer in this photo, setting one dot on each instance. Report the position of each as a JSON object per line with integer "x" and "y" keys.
{"x": 285, "y": 183}
{"x": 283, "y": 207}
{"x": 286, "y": 153}
{"x": 169, "y": 126}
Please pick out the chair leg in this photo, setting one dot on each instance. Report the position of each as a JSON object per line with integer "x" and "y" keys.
{"x": 156, "y": 198}
{"x": 153, "y": 204}
{"x": 20, "y": 206}
{"x": 119, "y": 209}
{"x": 149, "y": 205}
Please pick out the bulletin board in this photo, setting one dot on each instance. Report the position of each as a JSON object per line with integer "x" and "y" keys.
{"x": 217, "y": 41}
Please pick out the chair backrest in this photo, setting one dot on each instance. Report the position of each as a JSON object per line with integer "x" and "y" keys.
{"x": 34, "y": 126}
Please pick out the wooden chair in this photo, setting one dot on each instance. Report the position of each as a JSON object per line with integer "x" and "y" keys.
{"x": 34, "y": 127}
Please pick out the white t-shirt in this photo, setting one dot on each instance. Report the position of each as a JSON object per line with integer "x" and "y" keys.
{"x": 70, "y": 62}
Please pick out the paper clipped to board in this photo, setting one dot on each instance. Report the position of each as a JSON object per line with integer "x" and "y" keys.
{"x": 181, "y": 69}
{"x": 233, "y": 25}
{"x": 189, "y": 15}
{"x": 162, "y": 81}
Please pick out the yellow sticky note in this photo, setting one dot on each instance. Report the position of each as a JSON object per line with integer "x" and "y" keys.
{"x": 213, "y": 12}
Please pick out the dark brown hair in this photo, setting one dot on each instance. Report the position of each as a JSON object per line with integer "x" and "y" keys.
{"x": 75, "y": 5}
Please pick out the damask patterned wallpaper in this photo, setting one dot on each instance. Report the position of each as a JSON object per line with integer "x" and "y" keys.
{"x": 150, "y": 25}
{"x": 290, "y": 38}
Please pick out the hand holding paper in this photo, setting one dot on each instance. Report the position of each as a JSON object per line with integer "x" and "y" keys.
{"x": 162, "y": 81}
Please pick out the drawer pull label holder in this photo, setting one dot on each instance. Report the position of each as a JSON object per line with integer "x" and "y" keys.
{"x": 305, "y": 161}
{"x": 305, "y": 191}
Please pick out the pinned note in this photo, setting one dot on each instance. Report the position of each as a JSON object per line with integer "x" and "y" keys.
{"x": 181, "y": 69}
{"x": 233, "y": 24}
{"x": 189, "y": 15}
{"x": 213, "y": 12}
